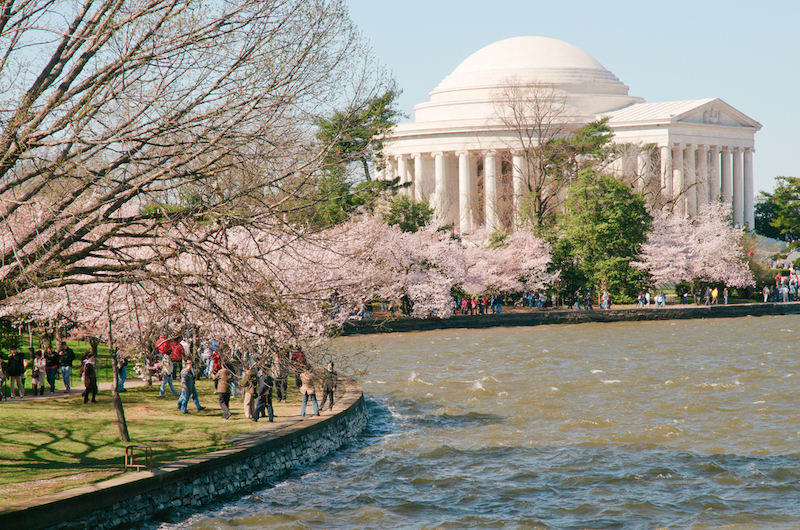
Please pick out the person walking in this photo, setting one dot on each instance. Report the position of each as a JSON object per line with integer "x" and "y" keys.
{"x": 65, "y": 358}
{"x": 90, "y": 379}
{"x": 188, "y": 390}
{"x": 165, "y": 366}
{"x": 224, "y": 378}
{"x": 307, "y": 389}
{"x": 50, "y": 368}
{"x": 264, "y": 401}
{"x": 38, "y": 373}
{"x": 122, "y": 372}
{"x": 16, "y": 367}
{"x": 249, "y": 391}
{"x": 329, "y": 382}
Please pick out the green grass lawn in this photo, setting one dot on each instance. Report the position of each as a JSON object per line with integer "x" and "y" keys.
{"x": 56, "y": 444}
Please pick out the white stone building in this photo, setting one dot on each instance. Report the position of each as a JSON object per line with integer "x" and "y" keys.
{"x": 458, "y": 150}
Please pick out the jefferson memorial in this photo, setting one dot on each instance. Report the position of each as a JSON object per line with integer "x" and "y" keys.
{"x": 464, "y": 158}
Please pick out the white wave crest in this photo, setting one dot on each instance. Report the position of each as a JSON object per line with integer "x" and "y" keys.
{"x": 598, "y": 372}
{"x": 610, "y": 381}
{"x": 414, "y": 378}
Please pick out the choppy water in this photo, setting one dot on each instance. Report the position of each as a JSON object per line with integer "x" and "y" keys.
{"x": 682, "y": 424}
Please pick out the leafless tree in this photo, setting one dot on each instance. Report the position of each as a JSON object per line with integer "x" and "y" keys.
{"x": 122, "y": 120}
{"x": 537, "y": 118}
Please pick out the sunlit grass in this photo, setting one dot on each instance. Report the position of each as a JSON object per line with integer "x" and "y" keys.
{"x": 56, "y": 444}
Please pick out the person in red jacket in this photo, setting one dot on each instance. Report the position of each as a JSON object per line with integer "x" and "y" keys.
{"x": 299, "y": 365}
{"x": 176, "y": 354}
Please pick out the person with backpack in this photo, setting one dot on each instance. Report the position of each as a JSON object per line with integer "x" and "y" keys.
{"x": 65, "y": 358}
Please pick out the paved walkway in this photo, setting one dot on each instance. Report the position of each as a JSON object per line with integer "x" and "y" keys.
{"x": 76, "y": 391}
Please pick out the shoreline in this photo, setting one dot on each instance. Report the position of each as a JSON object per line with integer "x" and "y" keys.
{"x": 252, "y": 460}
{"x": 533, "y": 317}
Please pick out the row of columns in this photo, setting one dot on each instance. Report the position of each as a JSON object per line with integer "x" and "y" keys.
{"x": 695, "y": 174}
{"x": 466, "y": 182}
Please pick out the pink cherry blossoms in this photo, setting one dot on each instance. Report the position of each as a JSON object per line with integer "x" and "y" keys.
{"x": 705, "y": 248}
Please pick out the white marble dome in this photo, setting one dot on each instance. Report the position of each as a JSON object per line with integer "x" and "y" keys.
{"x": 468, "y": 92}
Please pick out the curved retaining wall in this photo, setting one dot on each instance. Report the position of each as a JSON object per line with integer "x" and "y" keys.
{"x": 255, "y": 459}
{"x": 538, "y": 318}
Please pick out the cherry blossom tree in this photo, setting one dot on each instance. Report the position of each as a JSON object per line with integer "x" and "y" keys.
{"x": 707, "y": 248}
{"x": 142, "y": 119}
{"x": 519, "y": 261}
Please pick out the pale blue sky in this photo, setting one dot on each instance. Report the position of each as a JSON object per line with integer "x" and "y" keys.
{"x": 746, "y": 53}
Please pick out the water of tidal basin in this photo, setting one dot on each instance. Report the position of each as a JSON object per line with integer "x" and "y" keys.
{"x": 677, "y": 424}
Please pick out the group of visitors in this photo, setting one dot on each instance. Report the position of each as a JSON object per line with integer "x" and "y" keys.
{"x": 478, "y": 305}
{"x": 45, "y": 367}
{"x": 785, "y": 289}
{"x": 644, "y": 298}
{"x": 171, "y": 358}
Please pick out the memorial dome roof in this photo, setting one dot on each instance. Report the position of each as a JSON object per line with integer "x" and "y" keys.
{"x": 469, "y": 91}
{"x": 530, "y": 60}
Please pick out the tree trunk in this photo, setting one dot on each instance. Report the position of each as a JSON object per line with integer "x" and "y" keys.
{"x": 116, "y": 400}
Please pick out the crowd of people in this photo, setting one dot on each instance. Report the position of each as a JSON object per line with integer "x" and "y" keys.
{"x": 45, "y": 366}
{"x": 256, "y": 378}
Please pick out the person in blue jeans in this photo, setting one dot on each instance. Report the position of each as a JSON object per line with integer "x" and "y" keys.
{"x": 166, "y": 374}
{"x": 123, "y": 374}
{"x": 308, "y": 390}
{"x": 188, "y": 390}
{"x": 65, "y": 358}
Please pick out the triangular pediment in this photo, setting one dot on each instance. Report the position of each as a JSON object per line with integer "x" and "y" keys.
{"x": 716, "y": 112}
{"x": 713, "y": 112}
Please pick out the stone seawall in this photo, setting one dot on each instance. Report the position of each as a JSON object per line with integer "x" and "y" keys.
{"x": 538, "y": 318}
{"x": 254, "y": 460}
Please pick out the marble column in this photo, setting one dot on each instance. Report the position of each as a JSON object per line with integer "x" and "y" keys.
{"x": 690, "y": 179}
{"x": 402, "y": 172}
{"x": 464, "y": 193}
{"x": 518, "y": 174}
{"x": 738, "y": 188}
{"x": 713, "y": 174}
{"x": 490, "y": 190}
{"x": 677, "y": 171}
{"x": 666, "y": 170}
{"x": 702, "y": 176}
{"x": 726, "y": 188}
{"x": 749, "y": 206}
{"x": 440, "y": 193}
{"x": 418, "y": 176}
